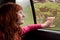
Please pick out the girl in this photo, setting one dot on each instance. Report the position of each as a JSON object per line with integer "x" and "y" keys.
{"x": 11, "y": 19}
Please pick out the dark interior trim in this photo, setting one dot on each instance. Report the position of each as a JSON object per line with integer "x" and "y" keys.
{"x": 51, "y": 31}
{"x": 33, "y": 11}
{"x": 42, "y": 35}
{"x": 5, "y": 1}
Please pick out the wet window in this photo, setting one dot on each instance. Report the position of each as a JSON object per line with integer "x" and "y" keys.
{"x": 47, "y": 8}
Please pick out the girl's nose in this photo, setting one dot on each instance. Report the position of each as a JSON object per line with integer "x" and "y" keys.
{"x": 23, "y": 15}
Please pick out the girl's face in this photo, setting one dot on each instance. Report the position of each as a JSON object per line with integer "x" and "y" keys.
{"x": 20, "y": 17}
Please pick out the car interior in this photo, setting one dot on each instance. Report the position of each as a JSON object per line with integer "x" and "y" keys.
{"x": 39, "y": 34}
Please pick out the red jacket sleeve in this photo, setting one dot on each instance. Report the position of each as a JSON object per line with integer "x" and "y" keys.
{"x": 30, "y": 28}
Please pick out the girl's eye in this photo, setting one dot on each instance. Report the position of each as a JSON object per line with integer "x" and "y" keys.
{"x": 20, "y": 12}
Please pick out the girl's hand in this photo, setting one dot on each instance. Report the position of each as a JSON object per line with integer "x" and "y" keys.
{"x": 48, "y": 23}
{"x": 51, "y": 19}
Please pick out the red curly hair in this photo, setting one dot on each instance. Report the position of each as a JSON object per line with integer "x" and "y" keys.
{"x": 8, "y": 19}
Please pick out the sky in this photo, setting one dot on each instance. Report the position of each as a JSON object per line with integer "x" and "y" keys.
{"x": 19, "y": 0}
{"x": 23, "y": 2}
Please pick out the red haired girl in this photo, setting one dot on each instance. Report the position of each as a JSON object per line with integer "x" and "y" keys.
{"x": 11, "y": 17}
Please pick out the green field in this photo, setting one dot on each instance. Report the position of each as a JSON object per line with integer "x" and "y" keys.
{"x": 48, "y": 9}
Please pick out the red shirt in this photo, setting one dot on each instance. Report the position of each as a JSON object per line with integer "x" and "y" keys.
{"x": 27, "y": 29}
